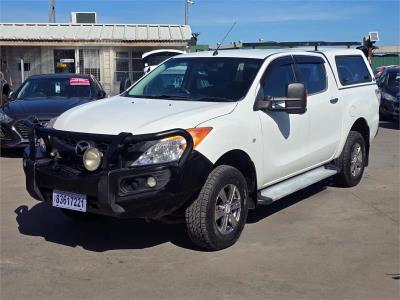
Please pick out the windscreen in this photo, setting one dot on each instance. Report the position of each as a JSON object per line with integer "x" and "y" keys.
{"x": 220, "y": 79}
{"x": 46, "y": 88}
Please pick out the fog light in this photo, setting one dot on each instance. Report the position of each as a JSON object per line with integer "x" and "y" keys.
{"x": 92, "y": 159}
{"x": 151, "y": 182}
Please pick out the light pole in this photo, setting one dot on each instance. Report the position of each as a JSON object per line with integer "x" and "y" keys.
{"x": 52, "y": 11}
{"x": 187, "y": 2}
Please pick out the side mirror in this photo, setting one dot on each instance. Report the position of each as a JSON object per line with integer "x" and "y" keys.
{"x": 11, "y": 95}
{"x": 295, "y": 101}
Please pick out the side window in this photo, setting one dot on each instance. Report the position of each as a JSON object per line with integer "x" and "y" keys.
{"x": 352, "y": 70}
{"x": 312, "y": 73}
{"x": 277, "y": 77}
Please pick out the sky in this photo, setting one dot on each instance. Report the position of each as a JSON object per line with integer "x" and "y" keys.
{"x": 270, "y": 20}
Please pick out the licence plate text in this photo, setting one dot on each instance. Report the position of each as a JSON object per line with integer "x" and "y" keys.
{"x": 69, "y": 200}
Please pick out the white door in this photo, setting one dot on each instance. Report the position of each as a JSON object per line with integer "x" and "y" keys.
{"x": 285, "y": 136}
{"x": 323, "y": 107}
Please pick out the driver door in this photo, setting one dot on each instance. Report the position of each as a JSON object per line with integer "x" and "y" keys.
{"x": 285, "y": 135}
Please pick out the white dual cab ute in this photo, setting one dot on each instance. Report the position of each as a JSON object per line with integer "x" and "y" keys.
{"x": 207, "y": 136}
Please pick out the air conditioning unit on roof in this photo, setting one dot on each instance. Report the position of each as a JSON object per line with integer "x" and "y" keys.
{"x": 83, "y": 17}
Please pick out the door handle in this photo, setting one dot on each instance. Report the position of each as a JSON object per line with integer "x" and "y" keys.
{"x": 334, "y": 100}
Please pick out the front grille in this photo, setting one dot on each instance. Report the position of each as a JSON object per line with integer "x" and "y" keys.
{"x": 22, "y": 129}
{"x": 72, "y": 141}
{"x": 66, "y": 148}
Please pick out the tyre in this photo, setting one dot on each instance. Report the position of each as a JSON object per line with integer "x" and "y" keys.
{"x": 216, "y": 218}
{"x": 80, "y": 216}
{"x": 351, "y": 162}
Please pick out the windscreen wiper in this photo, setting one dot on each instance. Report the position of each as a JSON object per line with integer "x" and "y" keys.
{"x": 161, "y": 96}
{"x": 214, "y": 99}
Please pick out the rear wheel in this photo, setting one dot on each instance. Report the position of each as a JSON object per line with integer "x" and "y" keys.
{"x": 352, "y": 161}
{"x": 217, "y": 217}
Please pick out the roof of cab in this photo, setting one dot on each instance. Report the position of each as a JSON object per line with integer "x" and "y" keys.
{"x": 263, "y": 53}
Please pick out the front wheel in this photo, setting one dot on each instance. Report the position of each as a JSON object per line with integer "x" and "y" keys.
{"x": 217, "y": 217}
{"x": 352, "y": 161}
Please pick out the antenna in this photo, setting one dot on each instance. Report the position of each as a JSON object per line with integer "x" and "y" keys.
{"x": 226, "y": 35}
{"x": 52, "y": 11}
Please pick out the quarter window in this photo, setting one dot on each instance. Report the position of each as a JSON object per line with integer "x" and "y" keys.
{"x": 352, "y": 70}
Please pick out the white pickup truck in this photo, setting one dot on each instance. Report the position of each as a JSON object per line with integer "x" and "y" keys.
{"x": 207, "y": 136}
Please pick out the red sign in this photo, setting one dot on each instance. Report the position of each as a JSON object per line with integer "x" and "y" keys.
{"x": 79, "y": 81}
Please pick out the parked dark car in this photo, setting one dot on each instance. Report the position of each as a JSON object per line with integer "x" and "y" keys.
{"x": 378, "y": 71}
{"x": 389, "y": 83}
{"x": 45, "y": 97}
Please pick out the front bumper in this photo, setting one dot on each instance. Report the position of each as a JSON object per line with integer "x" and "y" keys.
{"x": 389, "y": 108}
{"x": 117, "y": 191}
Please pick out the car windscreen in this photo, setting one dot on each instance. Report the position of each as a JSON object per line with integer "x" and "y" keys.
{"x": 221, "y": 79}
{"x": 393, "y": 78}
{"x": 47, "y": 88}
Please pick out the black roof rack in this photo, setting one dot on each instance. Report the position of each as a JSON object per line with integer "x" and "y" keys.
{"x": 314, "y": 44}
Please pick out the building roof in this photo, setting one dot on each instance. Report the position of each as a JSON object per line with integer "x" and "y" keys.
{"x": 387, "y": 50}
{"x": 99, "y": 33}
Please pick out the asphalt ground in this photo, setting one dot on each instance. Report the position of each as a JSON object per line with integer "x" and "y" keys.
{"x": 320, "y": 243}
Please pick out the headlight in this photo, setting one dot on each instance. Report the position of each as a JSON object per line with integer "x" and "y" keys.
{"x": 92, "y": 159}
{"x": 388, "y": 97}
{"x": 4, "y": 118}
{"x": 166, "y": 150}
{"x": 170, "y": 149}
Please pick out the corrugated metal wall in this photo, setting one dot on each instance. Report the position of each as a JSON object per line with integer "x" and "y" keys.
{"x": 378, "y": 61}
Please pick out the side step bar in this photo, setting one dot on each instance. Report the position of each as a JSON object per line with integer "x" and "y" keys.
{"x": 294, "y": 184}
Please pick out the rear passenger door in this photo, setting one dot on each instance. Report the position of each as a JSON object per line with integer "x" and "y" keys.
{"x": 323, "y": 107}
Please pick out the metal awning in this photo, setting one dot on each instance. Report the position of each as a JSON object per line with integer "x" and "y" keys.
{"x": 93, "y": 33}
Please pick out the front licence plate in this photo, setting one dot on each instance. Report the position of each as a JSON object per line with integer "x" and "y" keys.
{"x": 69, "y": 200}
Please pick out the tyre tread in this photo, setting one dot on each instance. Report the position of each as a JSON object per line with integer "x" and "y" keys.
{"x": 196, "y": 213}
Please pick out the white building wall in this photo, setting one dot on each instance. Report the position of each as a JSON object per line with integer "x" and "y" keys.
{"x": 105, "y": 69}
{"x": 47, "y": 60}
{"x": 31, "y": 55}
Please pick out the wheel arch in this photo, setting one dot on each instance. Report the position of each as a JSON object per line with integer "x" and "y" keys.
{"x": 361, "y": 126}
{"x": 242, "y": 161}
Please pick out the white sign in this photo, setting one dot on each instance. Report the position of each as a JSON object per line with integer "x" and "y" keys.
{"x": 67, "y": 60}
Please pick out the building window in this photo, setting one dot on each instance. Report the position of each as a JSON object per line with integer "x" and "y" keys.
{"x": 121, "y": 65}
{"x": 27, "y": 67}
{"x": 128, "y": 64}
{"x": 89, "y": 62}
{"x": 137, "y": 65}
